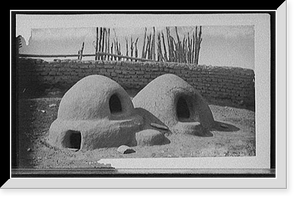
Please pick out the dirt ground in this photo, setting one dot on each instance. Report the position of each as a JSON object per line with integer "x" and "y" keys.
{"x": 236, "y": 137}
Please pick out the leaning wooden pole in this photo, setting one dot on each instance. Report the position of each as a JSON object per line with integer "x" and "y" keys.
{"x": 103, "y": 43}
{"x": 99, "y": 41}
{"x": 108, "y": 42}
{"x": 169, "y": 45}
{"x": 136, "y": 48}
{"x": 96, "y": 48}
{"x": 153, "y": 56}
{"x": 126, "y": 45}
{"x": 195, "y": 45}
{"x": 80, "y": 52}
{"x": 159, "y": 54}
{"x": 178, "y": 47}
{"x": 148, "y": 47}
{"x": 106, "y": 45}
{"x": 199, "y": 43}
{"x": 144, "y": 43}
{"x": 131, "y": 47}
{"x": 164, "y": 45}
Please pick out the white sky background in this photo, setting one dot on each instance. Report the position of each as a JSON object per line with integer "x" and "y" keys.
{"x": 221, "y": 45}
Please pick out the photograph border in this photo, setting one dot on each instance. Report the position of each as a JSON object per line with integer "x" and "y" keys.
{"x": 179, "y": 172}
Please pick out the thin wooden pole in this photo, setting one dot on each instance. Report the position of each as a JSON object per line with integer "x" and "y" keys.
{"x": 96, "y": 48}
{"x": 143, "y": 49}
{"x": 126, "y": 45}
{"x": 164, "y": 45}
{"x": 131, "y": 47}
{"x": 136, "y": 48}
{"x": 153, "y": 56}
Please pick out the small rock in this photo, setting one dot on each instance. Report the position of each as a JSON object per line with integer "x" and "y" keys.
{"x": 241, "y": 102}
{"x": 29, "y": 149}
{"x": 43, "y": 111}
{"x": 123, "y": 149}
{"x": 52, "y": 105}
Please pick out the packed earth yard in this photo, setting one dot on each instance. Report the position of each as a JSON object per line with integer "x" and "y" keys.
{"x": 234, "y": 137}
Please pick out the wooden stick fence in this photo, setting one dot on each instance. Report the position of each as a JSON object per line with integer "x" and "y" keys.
{"x": 157, "y": 46}
{"x": 84, "y": 55}
{"x": 186, "y": 50}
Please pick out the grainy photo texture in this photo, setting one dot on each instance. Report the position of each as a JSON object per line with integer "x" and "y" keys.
{"x": 91, "y": 93}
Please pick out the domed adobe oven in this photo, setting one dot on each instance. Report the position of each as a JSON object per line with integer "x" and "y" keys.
{"x": 177, "y": 104}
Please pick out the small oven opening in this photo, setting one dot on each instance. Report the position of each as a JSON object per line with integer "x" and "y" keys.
{"x": 182, "y": 109}
{"x": 115, "y": 105}
{"x": 72, "y": 140}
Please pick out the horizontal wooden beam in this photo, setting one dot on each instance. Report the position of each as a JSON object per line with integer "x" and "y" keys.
{"x": 83, "y": 55}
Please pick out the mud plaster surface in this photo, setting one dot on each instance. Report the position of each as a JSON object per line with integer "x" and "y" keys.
{"x": 160, "y": 97}
{"x": 85, "y": 108}
{"x": 37, "y": 114}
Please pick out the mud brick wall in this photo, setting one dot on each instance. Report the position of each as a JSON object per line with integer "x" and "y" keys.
{"x": 230, "y": 83}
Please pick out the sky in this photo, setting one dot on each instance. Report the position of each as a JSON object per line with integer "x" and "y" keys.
{"x": 221, "y": 45}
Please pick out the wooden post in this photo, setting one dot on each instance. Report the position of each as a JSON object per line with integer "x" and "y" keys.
{"x": 126, "y": 45}
{"x": 99, "y": 43}
{"x": 103, "y": 42}
{"x": 96, "y": 48}
{"x": 112, "y": 50}
{"x": 153, "y": 45}
{"x": 143, "y": 49}
{"x": 164, "y": 45}
{"x": 159, "y": 50}
{"x": 136, "y": 48}
{"x": 199, "y": 45}
{"x": 195, "y": 45}
{"x": 131, "y": 47}
{"x": 108, "y": 42}
{"x": 178, "y": 47}
{"x": 148, "y": 47}
{"x": 80, "y": 52}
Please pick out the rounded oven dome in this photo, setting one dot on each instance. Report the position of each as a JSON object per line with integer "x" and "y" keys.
{"x": 177, "y": 104}
{"x": 95, "y": 112}
{"x": 94, "y": 97}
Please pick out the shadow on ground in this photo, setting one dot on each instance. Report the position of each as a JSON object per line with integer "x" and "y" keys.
{"x": 224, "y": 127}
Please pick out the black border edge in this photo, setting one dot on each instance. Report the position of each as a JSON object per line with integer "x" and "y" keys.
{"x": 113, "y": 173}
{"x": 273, "y": 92}
{"x": 14, "y": 105}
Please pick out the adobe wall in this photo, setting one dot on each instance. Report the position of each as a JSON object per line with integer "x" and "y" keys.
{"x": 230, "y": 83}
